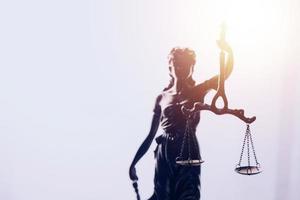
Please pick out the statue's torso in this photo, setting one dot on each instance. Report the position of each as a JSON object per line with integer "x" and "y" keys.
{"x": 172, "y": 119}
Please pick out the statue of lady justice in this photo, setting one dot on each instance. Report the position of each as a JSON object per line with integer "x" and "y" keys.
{"x": 173, "y": 180}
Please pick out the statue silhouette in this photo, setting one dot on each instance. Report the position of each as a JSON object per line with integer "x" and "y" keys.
{"x": 171, "y": 180}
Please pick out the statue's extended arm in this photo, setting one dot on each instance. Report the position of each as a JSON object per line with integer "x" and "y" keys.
{"x": 201, "y": 90}
{"x": 144, "y": 146}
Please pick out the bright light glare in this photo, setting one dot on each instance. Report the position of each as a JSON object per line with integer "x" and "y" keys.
{"x": 249, "y": 20}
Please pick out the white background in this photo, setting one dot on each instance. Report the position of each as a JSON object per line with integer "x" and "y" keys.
{"x": 78, "y": 81}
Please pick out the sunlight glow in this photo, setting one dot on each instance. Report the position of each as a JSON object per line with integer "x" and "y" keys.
{"x": 249, "y": 20}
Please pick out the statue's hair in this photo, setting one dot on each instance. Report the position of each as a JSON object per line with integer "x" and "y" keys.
{"x": 185, "y": 54}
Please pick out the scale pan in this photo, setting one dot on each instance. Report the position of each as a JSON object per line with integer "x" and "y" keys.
{"x": 189, "y": 162}
{"x": 248, "y": 170}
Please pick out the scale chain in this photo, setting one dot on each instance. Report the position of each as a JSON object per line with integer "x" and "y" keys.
{"x": 248, "y": 149}
{"x": 196, "y": 145}
{"x": 243, "y": 147}
{"x": 183, "y": 143}
{"x": 250, "y": 135}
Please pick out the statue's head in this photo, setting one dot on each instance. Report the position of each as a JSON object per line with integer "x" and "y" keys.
{"x": 181, "y": 63}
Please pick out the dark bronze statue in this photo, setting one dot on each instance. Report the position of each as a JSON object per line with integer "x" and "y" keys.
{"x": 177, "y": 109}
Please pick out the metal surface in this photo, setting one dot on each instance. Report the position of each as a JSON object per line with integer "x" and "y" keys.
{"x": 189, "y": 162}
{"x": 189, "y": 153}
{"x": 248, "y": 170}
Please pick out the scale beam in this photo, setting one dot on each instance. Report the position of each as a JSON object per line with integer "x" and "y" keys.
{"x": 198, "y": 106}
